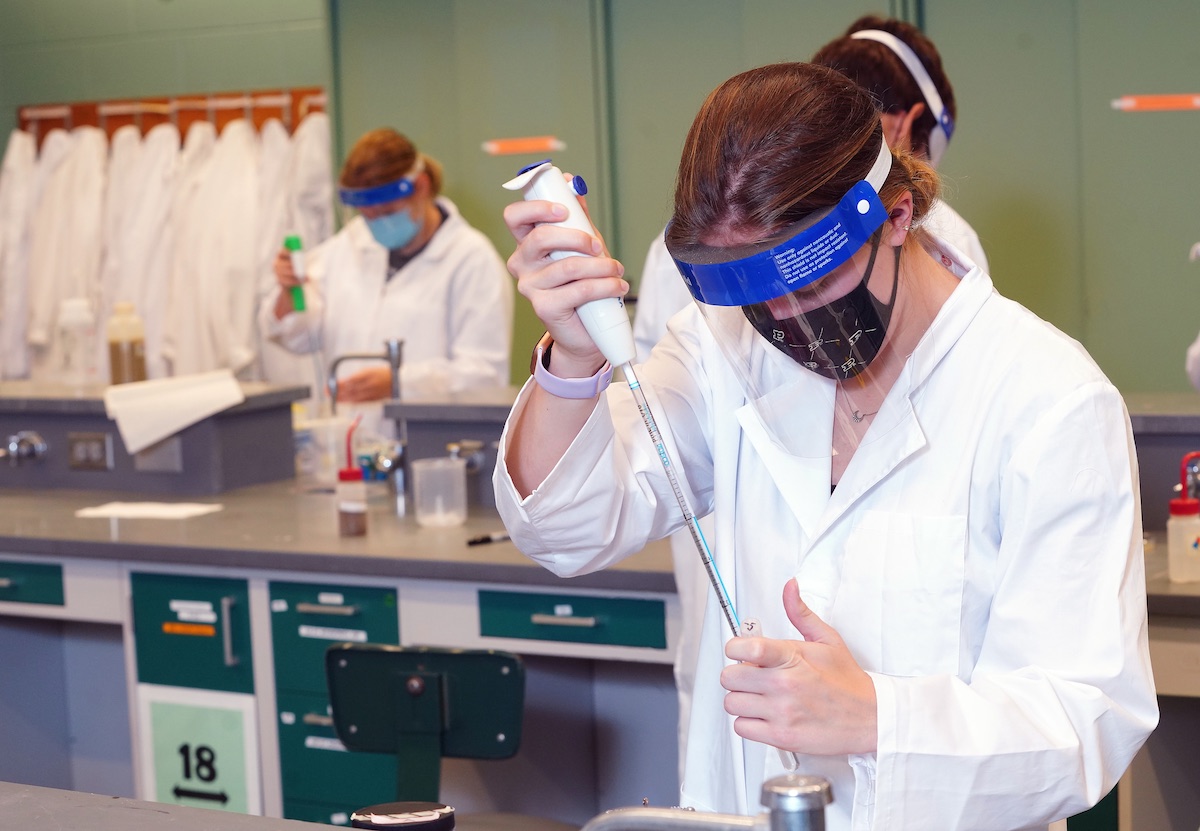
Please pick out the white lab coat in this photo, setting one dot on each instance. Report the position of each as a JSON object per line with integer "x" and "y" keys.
{"x": 212, "y": 308}
{"x": 16, "y": 189}
{"x": 991, "y": 509}
{"x": 452, "y": 305}
{"x": 65, "y": 240}
{"x": 662, "y": 293}
{"x": 120, "y": 196}
{"x": 148, "y": 239}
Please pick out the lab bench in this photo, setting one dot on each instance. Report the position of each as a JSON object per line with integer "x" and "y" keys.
{"x": 182, "y": 661}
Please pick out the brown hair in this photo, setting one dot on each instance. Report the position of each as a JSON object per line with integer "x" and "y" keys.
{"x": 876, "y": 67}
{"x": 772, "y": 145}
{"x": 383, "y": 156}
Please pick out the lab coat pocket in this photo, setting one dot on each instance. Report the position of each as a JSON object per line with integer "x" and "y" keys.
{"x": 901, "y": 592}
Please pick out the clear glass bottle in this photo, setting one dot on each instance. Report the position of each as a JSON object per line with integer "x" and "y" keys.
{"x": 77, "y": 343}
{"x": 1183, "y": 540}
{"x": 351, "y": 499}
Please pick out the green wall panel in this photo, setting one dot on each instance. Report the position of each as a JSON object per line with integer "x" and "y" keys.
{"x": 1140, "y": 178}
{"x": 666, "y": 57}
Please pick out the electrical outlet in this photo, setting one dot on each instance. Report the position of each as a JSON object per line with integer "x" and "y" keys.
{"x": 89, "y": 451}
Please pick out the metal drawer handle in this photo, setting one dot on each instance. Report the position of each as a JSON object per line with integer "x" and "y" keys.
{"x": 323, "y": 609}
{"x": 7, "y": 582}
{"x": 318, "y": 719}
{"x": 564, "y": 620}
{"x": 227, "y": 602}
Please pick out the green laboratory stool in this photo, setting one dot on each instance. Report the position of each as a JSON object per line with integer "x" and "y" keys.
{"x": 423, "y": 703}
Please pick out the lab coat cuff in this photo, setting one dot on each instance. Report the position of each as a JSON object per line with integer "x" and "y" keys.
{"x": 565, "y": 476}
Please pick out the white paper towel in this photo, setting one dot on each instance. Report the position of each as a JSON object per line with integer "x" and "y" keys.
{"x": 149, "y": 411}
{"x": 148, "y": 510}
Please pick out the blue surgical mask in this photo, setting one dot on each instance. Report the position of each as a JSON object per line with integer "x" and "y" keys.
{"x": 394, "y": 230}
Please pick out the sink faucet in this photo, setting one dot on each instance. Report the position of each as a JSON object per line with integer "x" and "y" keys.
{"x": 24, "y": 445}
{"x": 392, "y": 350}
{"x": 793, "y": 802}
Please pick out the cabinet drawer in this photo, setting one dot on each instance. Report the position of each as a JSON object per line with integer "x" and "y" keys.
{"x": 614, "y": 621}
{"x": 31, "y": 583}
{"x": 315, "y": 767}
{"x": 307, "y": 617}
{"x": 192, "y": 632}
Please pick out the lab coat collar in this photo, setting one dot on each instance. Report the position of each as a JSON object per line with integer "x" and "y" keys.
{"x": 803, "y": 474}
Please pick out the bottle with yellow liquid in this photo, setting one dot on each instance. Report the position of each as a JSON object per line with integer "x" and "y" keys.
{"x": 126, "y": 344}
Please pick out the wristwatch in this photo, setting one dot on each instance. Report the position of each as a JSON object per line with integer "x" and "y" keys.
{"x": 579, "y": 388}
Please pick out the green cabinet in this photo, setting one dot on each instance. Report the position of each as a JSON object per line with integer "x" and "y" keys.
{"x": 320, "y": 779}
{"x": 614, "y": 621}
{"x": 192, "y": 632}
{"x": 31, "y": 583}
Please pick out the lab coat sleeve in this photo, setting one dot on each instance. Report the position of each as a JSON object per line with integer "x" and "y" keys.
{"x": 1062, "y": 694}
{"x": 479, "y": 323}
{"x": 297, "y": 332}
{"x": 608, "y": 495}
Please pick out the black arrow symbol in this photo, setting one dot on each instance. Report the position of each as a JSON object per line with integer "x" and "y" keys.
{"x": 185, "y": 793}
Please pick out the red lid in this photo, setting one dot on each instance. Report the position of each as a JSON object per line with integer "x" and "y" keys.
{"x": 354, "y": 474}
{"x": 1183, "y": 506}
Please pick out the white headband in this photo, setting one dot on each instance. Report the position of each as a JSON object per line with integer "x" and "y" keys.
{"x": 939, "y": 137}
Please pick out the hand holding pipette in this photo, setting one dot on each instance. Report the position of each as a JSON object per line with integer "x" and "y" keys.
{"x": 806, "y": 694}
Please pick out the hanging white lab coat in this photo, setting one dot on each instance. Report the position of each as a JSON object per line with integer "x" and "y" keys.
{"x": 214, "y": 287}
{"x": 310, "y": 180}
{"x": 120, "y": 195}
{"x": 16, "y": 190}
{"x": 452, "y": 305}
{"x": 64, "y": 254}
{"x": 991, "y": 508}
{"x": 147, "y": 239}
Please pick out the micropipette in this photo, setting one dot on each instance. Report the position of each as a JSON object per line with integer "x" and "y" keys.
{"x": 608, "y": 324}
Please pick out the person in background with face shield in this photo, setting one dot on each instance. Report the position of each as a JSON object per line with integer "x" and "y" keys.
{"x": 409, "y": 266}
{"x": 918, "y": 488}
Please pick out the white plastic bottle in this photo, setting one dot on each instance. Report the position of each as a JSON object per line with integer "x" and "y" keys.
{"x": 77, "y": 343}
{"x": 126, "y": 344}
{"x": 1183, "y": 540}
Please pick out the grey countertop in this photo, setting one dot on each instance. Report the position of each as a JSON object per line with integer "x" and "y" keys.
{"x": 281, "y": 526}
{"x": 30, "y": 807}
{"x": 44, "y": 397}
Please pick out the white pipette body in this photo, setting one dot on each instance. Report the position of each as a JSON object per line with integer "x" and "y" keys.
{"x": 605, "y": 320}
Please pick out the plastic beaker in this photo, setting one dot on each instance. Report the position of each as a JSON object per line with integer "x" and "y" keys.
{"x": 440, "y": 491}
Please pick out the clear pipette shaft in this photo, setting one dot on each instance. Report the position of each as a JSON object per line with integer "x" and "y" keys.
{"x": 693, "y": 524}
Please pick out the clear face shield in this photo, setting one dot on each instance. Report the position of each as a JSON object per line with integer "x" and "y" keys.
{"x": 801, "y": 303}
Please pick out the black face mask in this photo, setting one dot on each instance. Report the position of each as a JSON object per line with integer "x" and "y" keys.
{"x": 838, "y": 340}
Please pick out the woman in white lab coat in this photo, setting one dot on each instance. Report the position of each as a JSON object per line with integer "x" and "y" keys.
{"x": 409, "y": 266}
{"x": 924, "y": 494}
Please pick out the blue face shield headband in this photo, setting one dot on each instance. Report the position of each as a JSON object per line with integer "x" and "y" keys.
{"x": 797, "y": 257}
{"x": 382, "y": 194}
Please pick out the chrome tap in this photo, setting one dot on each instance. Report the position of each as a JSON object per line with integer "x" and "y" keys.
{"x": 392, "y": 353}
{"x": 25, "y": 445}
{"x": 794, "y": 803}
